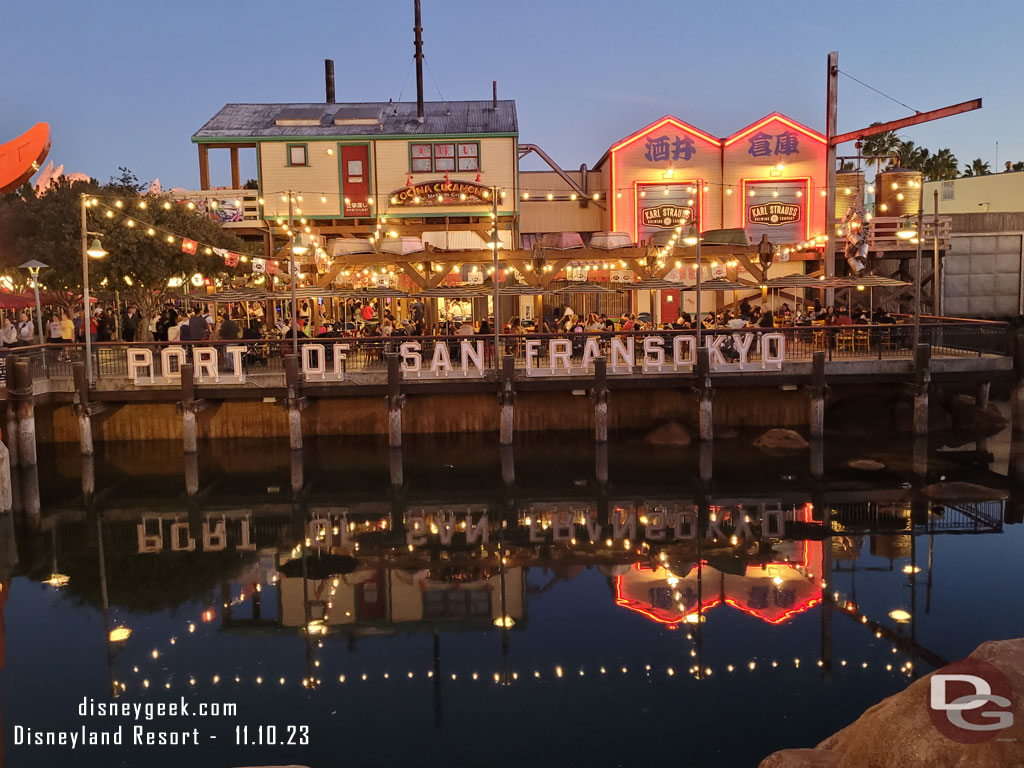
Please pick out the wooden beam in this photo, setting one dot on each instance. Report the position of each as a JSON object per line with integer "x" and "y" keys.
{"x": 414, "y": 273}
{"x": 204, "y": 166}
{"x": 755, "y": 271}
{"x": 529, "y": 276}
{"x": 236, "y": 180}
{"x": 920, "y": 117}
{"x": 328, "y": 277}
{"x": 556, "y": 267}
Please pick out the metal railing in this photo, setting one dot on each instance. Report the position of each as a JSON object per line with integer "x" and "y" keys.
{"x": 367, "y": 354}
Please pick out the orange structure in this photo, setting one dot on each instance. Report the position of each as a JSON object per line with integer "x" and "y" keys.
{"x": 21, "y": 157}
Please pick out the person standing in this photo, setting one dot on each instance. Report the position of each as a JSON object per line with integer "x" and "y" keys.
{"x": 26, "y": 330}
{"x": 130, "y": 323}
{"x": 53, "y": 334}
{"x": 198, "y": 328}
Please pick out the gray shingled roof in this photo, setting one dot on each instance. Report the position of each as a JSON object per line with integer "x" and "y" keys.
{"x": 399, "y": 118}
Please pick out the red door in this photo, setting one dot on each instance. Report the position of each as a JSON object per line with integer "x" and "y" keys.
{"x": 670, "y": 308}
{"x": 355, "y": 180}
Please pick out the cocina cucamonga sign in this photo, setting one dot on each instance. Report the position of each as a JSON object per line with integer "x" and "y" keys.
{"x": 443, "y": 360}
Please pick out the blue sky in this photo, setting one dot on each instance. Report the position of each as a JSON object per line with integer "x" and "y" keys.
{"x": 127, "y": 83}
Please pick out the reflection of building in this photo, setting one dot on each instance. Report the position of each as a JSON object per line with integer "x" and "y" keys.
{"x": 384, "y": 596}
{"x": 773, "y": 592}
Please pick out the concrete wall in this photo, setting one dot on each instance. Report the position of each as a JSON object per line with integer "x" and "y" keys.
{"x": 981, "y": 275}
{"x": 437, "y": 414}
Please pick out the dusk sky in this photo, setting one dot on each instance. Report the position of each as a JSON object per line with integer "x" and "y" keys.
{"x": 128, "y": 83}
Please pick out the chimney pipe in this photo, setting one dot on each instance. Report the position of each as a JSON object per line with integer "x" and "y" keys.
{"x": 329, "y": 79}
{"x": 418, "y": 29}
{"x": 494, "y": 89}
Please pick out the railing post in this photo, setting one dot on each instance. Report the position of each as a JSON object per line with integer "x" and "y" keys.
{"x": 506, "y": 398}
{"x": 922, "y": 377}
{"x": 599, "y": 394}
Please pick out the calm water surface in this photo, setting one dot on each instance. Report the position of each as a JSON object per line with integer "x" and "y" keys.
{"x": 600, "y": 624}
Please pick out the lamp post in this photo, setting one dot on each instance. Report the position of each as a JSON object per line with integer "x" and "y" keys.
{"x": 908, "y": 232}
{"x": 497, "y": 306}
{"x": 693, "y": 238}
{"x": 298, "y": 248}
{"x": 94, "y": 250}
{"x": 33, "y": 266}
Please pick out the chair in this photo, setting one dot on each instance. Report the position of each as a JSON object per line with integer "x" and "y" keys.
{"x": 845, "y": 341}
{"x": 820, "y": 335}
{"x": 862, "y": 340}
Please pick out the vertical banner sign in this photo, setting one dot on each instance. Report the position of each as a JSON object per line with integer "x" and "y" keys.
{"x": 355, "y": 180}
{"x": 660, "y": 212}
{"x": 783, "y": 217}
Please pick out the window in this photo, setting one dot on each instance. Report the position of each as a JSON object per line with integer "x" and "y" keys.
{"x": 421, "y": 158}
{"x": 296, "y": 154}
{"x": 948, "y": 190}
{"x": 444, "y": 156}
{"x": 469, "y": 156}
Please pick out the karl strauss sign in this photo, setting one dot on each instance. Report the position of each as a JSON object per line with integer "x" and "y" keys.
{"x": 443, "y": 360}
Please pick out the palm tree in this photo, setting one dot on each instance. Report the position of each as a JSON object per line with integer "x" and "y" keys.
{"x": 940, "y": 166}
{"x": 880, "y": 144}
{"x": 978, "y": 167}
{"x": 912, "y": 157}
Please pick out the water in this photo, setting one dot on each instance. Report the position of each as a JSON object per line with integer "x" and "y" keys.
{"x": 614, "y": 655}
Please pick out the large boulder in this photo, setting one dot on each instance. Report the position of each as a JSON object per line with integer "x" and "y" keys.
{"x": 671, "y": 433}
{"x": 939, "y": 419}
{"x": 859, "y": 415}
{"x": 898, "y": 731}
{"x": 781, "y": 440}
{"x": 967, "y": 416}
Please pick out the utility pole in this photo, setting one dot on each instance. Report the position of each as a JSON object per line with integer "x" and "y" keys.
{"x": 291, "y": 273}
{"x": 936, "y": 266}
{"x": 86, "y": 315}
{"x": 497, "y": 306}
{"x": 831, "y": 112}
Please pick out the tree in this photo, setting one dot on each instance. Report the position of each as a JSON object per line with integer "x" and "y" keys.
{"x": 879, "y": 145}
{"x": 912, "y": 157}
{"x": 138, "y": 265}
{"x": 941, "y": 166}
{"x": 978, "y": 167}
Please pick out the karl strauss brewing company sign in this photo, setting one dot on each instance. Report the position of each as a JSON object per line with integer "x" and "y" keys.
{"x": 549, "y": 357}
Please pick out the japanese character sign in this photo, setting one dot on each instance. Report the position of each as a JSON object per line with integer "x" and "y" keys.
{"x": 657, "y": 149}
{"x": 683, "y": 148}
{"x": 766, "y": 144}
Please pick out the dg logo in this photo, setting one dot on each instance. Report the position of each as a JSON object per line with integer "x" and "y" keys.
{"x": 970, "y": 701}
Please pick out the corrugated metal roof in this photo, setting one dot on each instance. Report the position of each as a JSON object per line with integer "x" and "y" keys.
{"x": 396, "y": 119}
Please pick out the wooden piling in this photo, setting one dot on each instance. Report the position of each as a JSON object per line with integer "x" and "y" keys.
{"x": 294, "y": 404}
{"x": 705, "y": 394}
{"x": 507, "y": 399}
{"x": 922, "y": 377}
{"x": 1017, "y": 397}
{"x": 6, "y": 486}
{"x": 82, "y": 408}
{"x": 21, "y": 391}
{"x": 816, "y": 415}
{"x": 188, "y": 411}
{"x": 981, "y": 394}
{"x": 12, "y": 430}
{"x": 395, "y": 401}
{"x": 599, "y": 394}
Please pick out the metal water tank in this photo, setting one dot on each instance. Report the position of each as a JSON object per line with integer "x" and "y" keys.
{"x": 897, "y": 192}
{"x": 849, "y": 192}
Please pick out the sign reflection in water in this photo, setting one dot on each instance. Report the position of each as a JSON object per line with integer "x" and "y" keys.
{"x": 238, "y": 589}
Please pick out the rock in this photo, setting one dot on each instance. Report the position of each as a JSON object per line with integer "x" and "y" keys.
{"x": 954, "y": 493}
{"x": 865, "y": 465}
{"x": 858, "y": 416}
{"x": 671, "y": 433}
{"x": 781, "y": 440}
{"x": 898, "y": 731}
{"x": 939, "y": 419}
{"x": 969, "y": 417}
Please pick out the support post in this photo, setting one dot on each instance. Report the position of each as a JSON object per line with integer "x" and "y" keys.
{"x": 1017, "y": 399}
{"x": 599, "y": 395}
{"x": 6, "y": 488}
{"x": 82, "y": 408}
{"x": 816, "y": 417}
{"x": 395, "y": 401}
{"x": 22, "y": 391}
{"x": 12, "y": 430}
{"x": 236, "y": 179}
{"x": 188, "y": 410}
{"x": 507, "y": 399}
{"x": 981, "y": 394}
{"x": 705, "y": 394}
{"x": 508, "y": 466}
{"x": 291, "y": 377}
{"x": 204, "y": 166}
{"x": 922, "y": 377}
{"x": 831, "y": 124}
